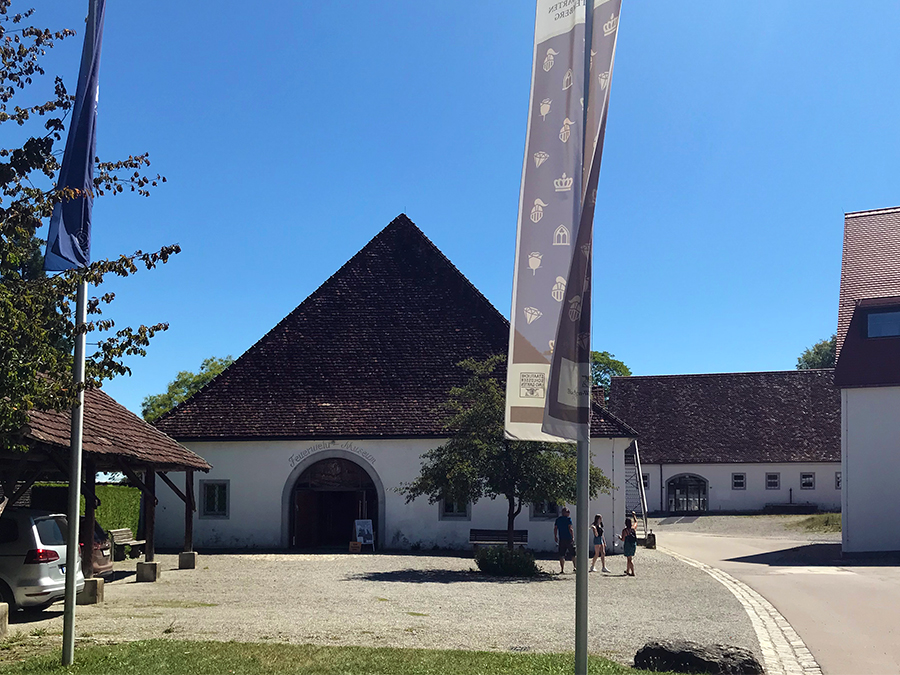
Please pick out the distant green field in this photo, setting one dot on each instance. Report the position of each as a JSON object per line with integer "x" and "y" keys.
{"x": 819, "y": 522}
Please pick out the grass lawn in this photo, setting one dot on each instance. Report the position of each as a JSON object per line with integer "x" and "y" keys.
{"x": 199, "y": 658}
{"x": 819, "y": 522}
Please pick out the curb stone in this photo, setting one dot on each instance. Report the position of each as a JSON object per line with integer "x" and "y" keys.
{"x": 784, "y": 652}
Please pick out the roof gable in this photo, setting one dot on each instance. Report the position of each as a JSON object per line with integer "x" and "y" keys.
{"x": 372, "y": 352}
{"x": 783, "y": 416}
{"x": 870, "y": 267}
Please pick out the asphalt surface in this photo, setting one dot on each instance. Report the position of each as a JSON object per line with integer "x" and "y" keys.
{"x": 847, "y": 612}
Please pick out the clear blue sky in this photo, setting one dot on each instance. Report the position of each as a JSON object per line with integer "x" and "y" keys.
{"x": 291, "y": 133}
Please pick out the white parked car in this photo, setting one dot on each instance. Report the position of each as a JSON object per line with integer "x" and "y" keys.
{"x": 33, "y": 558}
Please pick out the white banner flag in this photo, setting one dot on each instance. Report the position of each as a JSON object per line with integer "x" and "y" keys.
{"x": 550, "y": 318}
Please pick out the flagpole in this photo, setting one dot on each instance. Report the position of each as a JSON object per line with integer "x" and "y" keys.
{"x": 583, "y": 446}
{"x": 72, "y": 556}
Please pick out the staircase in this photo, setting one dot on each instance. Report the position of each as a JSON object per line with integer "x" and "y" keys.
{"x": 635, "y": 498}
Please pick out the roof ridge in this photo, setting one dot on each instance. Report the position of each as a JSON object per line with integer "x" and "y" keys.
{"x": 749, "y": 372}
{"x": 871, "y": 212}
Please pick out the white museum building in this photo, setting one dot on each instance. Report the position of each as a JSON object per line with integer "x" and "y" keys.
{"x": 320, "y": 421}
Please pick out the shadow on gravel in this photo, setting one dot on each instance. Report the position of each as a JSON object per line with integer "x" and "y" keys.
{"x": 413, "y": 576}
{"x": 29, "y": 617}
{"x": 818, "y": 555}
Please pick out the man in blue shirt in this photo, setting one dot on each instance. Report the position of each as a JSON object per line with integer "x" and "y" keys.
{"x": 564, "y": 536}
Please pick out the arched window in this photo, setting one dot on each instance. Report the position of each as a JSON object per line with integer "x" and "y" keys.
{"x": 561, "y": 236}
{"x": 687, "y": 493}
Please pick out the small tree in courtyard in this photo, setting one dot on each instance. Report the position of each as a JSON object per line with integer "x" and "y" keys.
{"x": 479, "y": 462}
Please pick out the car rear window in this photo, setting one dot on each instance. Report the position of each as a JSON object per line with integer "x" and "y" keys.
{"x": 9, "y": 530}
{"x": 50, "y": 531}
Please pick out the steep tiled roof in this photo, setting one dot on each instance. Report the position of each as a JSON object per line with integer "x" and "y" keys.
{"x": 112, "y": 430}
{"x": 373, "y": 352}
{"x": 787, "y": 416}
{"x": 871, "y": 262}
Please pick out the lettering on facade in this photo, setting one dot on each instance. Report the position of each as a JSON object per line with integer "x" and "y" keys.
{"x": 347, "y": 446}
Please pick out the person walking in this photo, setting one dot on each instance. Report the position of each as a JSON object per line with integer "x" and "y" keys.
{"x": 599, "y": 544}
{"x": 629, "y": 540}
{"x": 564, "y": 537}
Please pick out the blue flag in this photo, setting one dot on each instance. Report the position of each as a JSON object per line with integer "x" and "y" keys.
{"x": 69, "y": 241}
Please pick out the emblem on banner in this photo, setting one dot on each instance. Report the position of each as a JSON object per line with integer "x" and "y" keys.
{"x": 563, "y": 184}
{"x": 540, "y": 157}
{"x": 548, "y": 60}
{"x": 552, "y": 344}
{"x": 593, "y": 54}
{"x": 565, "y": 132}
{"x": 567, "y": 80}
{"x": 561, "y": 236}
{"x": 559, "y": 289}
{"x": 604, "y": 80}
{"x": 538, "y": 211}
{"x": 534, "y": 262}
{"x": 532, "y": 385}
{"x": 532, "y": 314}
{"x": 610, "y": 26}
{"x": 586, "y": 250}
{"x": 545, "y": 108}
{"x": 575, "y": 308}
{"x": 584, "y": 340}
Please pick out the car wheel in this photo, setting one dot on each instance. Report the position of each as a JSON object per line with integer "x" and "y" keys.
{"x": 7, "y": 596}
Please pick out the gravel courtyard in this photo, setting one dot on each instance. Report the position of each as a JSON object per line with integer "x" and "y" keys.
{"x": 406, "y": 601}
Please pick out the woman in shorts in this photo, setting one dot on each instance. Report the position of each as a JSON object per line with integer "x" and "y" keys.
{"x": 599, "y": 544}
{"x": 629, "y": 540}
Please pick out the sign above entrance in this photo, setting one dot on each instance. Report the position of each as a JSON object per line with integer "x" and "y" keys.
{"x": 346, "y": 446}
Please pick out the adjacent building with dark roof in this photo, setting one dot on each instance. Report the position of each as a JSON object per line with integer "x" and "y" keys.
{"x": 317, "y": 423}
{"x": 868, "y": 373}
{"x": 735, "y": 441}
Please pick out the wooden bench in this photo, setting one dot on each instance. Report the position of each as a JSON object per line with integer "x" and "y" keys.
{"x": 121, "y": 539}
{"x": 497, "y": 537}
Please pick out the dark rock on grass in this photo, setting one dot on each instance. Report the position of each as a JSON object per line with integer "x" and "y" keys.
{"x": 684, "y": 656}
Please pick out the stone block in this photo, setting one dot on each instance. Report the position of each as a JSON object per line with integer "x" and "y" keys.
{"x": 4, "y": 619}
{"x": 684, "y": 656}
{"x": 148, "y": 571}
{"x": 92, "y": 594}
{"x": 651, "y": 540}
{"x": 187, "y": 560}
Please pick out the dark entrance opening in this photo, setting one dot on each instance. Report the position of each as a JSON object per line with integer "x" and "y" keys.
{"x": 327, "y": 498}
{"x": 687, "y": 494}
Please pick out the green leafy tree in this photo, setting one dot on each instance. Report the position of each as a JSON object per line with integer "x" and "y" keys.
{"x": 604, "y": 366}
{"x": 820, "y": 355}
{"x": 185, "y": 385}
{"x": 37, "y": 327}
{"x": 479, "y": 462}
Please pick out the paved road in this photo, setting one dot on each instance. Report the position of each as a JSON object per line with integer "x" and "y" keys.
{"x": 847, "y": 613}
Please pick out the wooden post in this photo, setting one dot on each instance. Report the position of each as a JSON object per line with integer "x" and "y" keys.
{"x": 150, "y": 514}
{"x": 90, "y": 506}
{"x": 189, "y": 511}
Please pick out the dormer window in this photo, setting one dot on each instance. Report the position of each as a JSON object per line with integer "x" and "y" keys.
{"x": 883, "y": 324}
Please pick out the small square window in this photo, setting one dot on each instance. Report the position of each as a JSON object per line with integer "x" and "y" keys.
{"x": 837, "y": 480}
{"x": 544, "y": 510}
{"x": 454, "y": 510}
{"x": 738, "y": 481}
{"x": 645, "y": 479}
{"x": 214, "y": 498}
{"x": 807, "y": 481}
{"x": 773, "y": 481}
{"x": 883, "y": 324}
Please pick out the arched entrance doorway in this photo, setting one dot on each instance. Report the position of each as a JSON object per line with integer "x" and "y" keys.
{"x": 326, "y": 500}
{"x": 687, "y": 493}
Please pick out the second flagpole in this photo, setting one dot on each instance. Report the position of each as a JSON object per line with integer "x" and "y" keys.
{"x": 583, "y": 447}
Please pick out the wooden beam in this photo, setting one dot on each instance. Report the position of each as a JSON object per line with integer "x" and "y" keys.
{"x": 132, "y": 476}
{"x": 189, "y": 509}
{"x": 27, "y": 483}
{"x": 90, "y": 518}
{"x": 150, "y": 516}
{"x": 168, "y": 481}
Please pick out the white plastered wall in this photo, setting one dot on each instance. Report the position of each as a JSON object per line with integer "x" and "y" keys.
{"x": 721, "y": 496}
{"x": 870, "y": 456}
{"x": 261, "y": 474}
